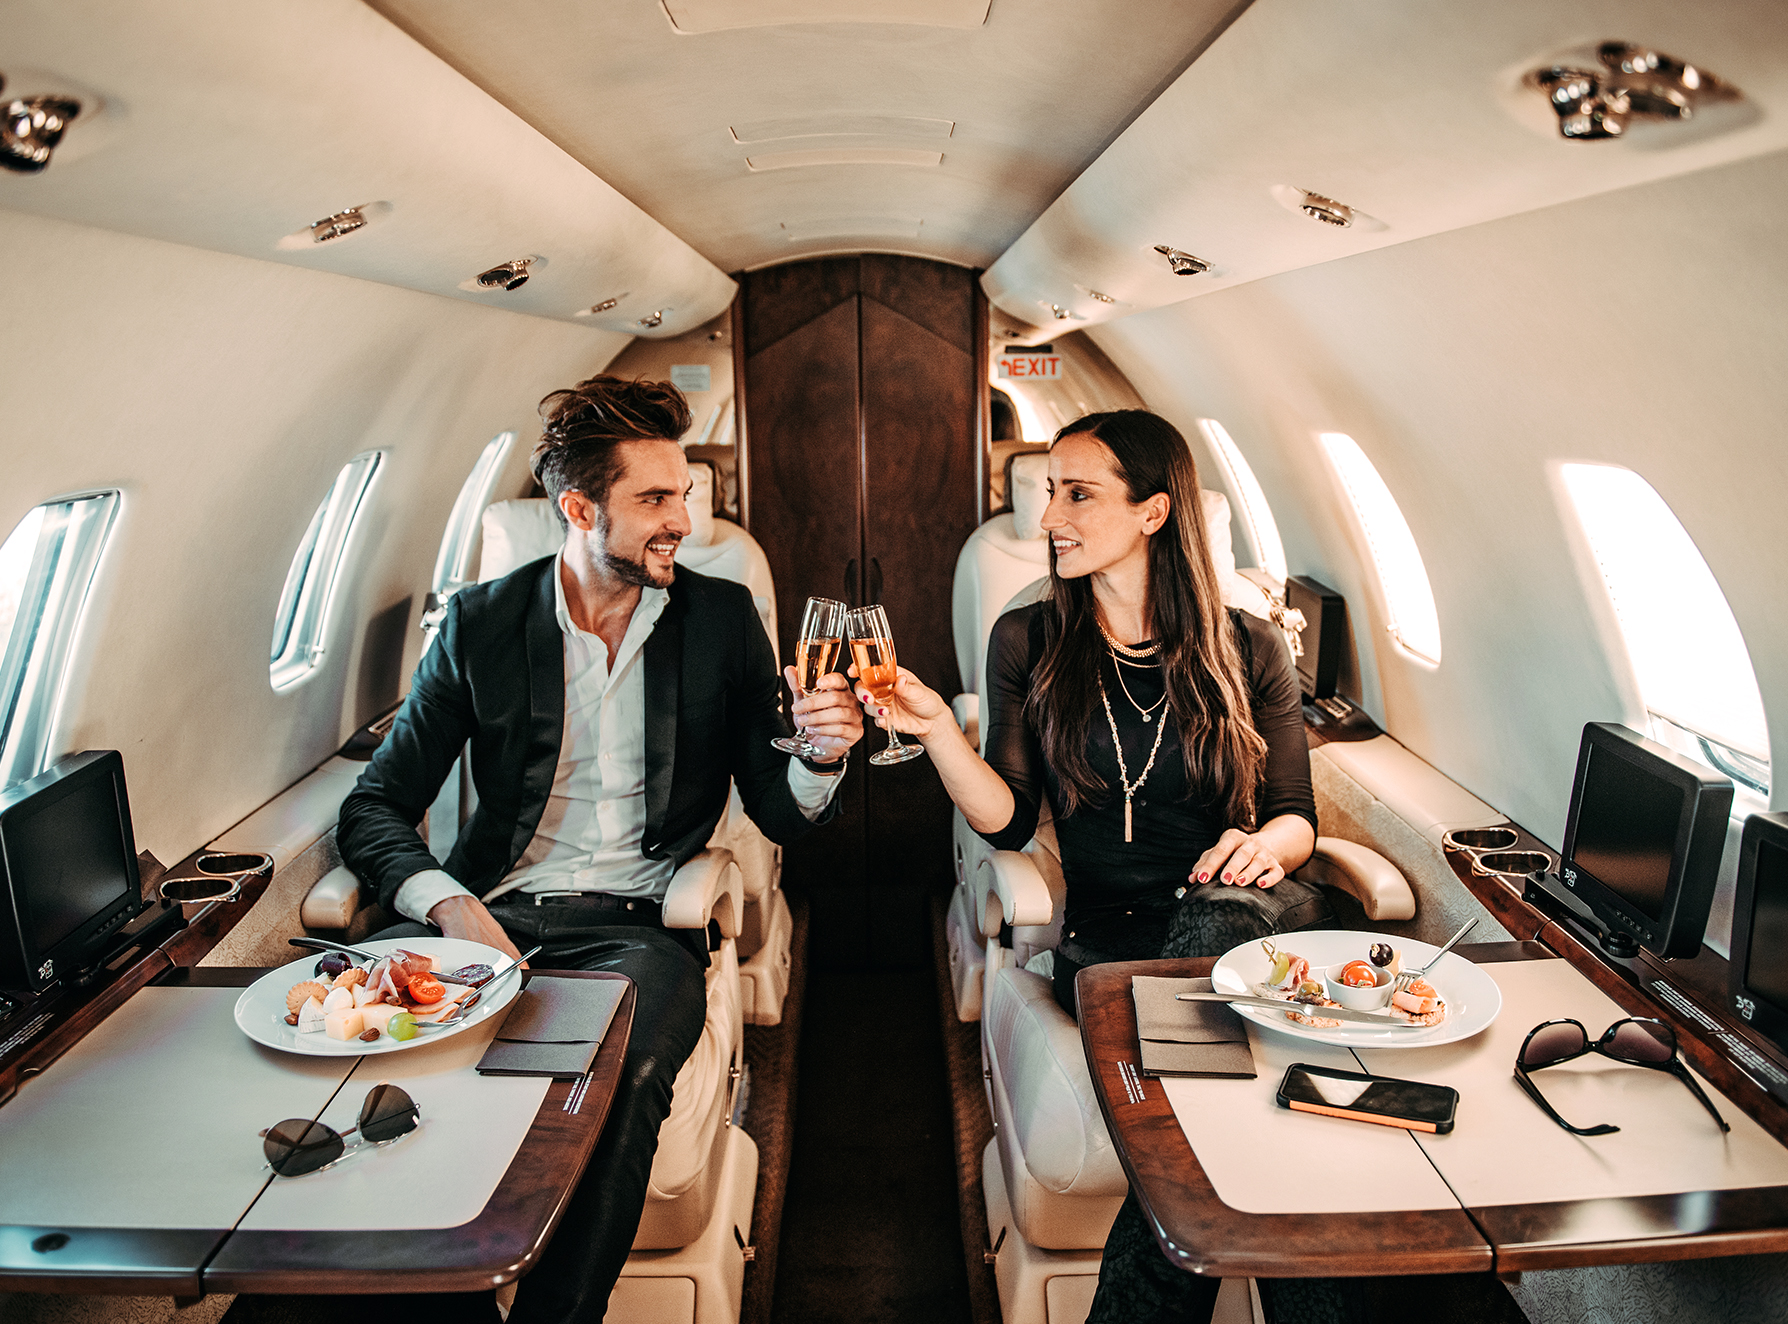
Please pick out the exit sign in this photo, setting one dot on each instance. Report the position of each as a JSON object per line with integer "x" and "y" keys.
{"x": 1031, "y": 366}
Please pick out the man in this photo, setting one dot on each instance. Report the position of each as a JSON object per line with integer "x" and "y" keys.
{"x": 609, "y": 701}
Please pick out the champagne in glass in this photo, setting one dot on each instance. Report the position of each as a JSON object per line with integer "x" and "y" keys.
{"x": 872, "y": 649}
{"x": 816, "y": 652}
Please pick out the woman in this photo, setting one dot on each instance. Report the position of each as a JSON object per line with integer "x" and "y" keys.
{"x": 1166, "y": 732}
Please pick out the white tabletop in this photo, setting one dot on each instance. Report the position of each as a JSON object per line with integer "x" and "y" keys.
{"x": 1264, "y": 1159}
{"x": 1505, "y": 1150}
{"x": 442, "y": 1174}
{"x": 151, "y": 1120}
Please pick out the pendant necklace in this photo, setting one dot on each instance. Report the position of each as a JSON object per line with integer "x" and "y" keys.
{"x": 1147, "y": 714}
{"x": 1117, "y": 744}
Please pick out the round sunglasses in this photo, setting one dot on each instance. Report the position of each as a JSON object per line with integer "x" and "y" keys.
{"x": 298, "y": 1146}
{"x": 1638, "y": 1042}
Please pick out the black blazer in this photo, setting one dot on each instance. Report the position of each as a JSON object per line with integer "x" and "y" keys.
{"x": 496, "y": 677}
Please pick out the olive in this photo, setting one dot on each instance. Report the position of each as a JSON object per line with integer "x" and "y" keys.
{"x": 1382, "y": 955}
{"x": 332, "y": 964}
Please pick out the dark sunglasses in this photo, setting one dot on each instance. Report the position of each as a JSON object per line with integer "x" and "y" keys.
{"x": 298, "y": 1146}
{"x": 1636, "y": 1042}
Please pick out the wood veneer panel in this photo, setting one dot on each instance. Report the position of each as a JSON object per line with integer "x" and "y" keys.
{"x": 1193, "y": 1227}
{"x": 939, "y": 297}
{"x": 778, "y": 301}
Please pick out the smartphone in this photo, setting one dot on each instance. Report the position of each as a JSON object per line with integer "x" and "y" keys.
{"x": 1353, "y": 1094}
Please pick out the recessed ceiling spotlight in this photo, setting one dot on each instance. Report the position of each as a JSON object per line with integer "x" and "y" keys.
{"x": 653, "y": 319}
{"x": 1326, "y": 210}
{"x": 1061, "y": 313}
{"x": 1182, "y": 263}
{"x": 597, "y": 309}
{"x": 335, "y": 227}
{"x": 30, "y": 128}
{"x": 1634, "y": 83}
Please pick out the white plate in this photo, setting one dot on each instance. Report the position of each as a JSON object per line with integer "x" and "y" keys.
{"x": 1472, "y": 997}
{"x": 261, "y": 1010}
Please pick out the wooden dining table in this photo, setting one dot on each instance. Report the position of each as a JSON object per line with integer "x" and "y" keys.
{"x": 1735, "y": 1202}
{"x": 123, "y": 1191}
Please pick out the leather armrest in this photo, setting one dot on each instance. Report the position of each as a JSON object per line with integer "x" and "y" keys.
{"x": 1010, "y": 890}
{"x": 1362, "y": 873}
{"x": 710, "y": 886}
{"x": 967, "y": 708}
{"x": 333, "y": 900}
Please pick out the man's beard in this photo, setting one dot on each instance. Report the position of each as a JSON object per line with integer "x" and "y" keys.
{"x": 633, "y": 572}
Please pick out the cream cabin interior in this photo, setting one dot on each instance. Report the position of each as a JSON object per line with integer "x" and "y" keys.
{"x": 1469, "y": 325}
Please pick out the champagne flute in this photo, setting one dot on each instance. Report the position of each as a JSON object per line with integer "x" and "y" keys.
{"x": 822, "y": 631}
{"x": 872, "y": 649}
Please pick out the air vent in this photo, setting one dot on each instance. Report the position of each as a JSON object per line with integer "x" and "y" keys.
{"x": 835, "y": 156}
{"x": 1326, "y": 210}
{"x": 1182, "y": 263}
{"x": 30, "y": 128}
{"x": 840, "y": 126}
{"x": 505, "y": 276}
{"x": 336, "y": 226}
{"x": 692, "y": 16}
{"x": 853, "y": 227}
{"x": 596, "y": 309}
{"x": 1624, "y": 84}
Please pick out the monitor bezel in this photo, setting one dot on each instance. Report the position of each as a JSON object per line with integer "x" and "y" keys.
{"x": 1695, "y": 851}
{"x": 1757, "y": 1012}
{"x": 85, "y": 946}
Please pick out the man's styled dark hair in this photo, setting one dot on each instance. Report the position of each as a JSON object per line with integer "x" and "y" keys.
{"x": 586, "y": 425}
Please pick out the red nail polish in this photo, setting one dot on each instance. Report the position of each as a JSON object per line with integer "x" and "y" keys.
{"x": 1204, "y": 878}
{"x": 1226, "y": 878}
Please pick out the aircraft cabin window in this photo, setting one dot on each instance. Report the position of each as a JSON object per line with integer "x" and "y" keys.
{"x": 47, "y": 566}
{"x": 1409, "y": 598}
{"x": 1258, "y": 525}
{"x": 453, "y": 567}
{"x": 301, "y": 622}
{"x": 1689, "y": 657}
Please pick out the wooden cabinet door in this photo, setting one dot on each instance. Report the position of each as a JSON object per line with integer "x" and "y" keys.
{"x": 860, "y": 419}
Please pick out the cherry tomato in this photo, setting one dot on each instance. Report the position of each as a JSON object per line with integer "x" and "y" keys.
{"x": 1357, "y": 974}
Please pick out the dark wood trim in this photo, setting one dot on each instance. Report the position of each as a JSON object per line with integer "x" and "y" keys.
{"x": 983, "y": 403}
{"x": 741, "y": 441}
{"x": 1696, "y": 1225}
{"x": 106, "y": 1261}
{"x": 1193, "y": 1227}
{"x": 498, "y": 1246}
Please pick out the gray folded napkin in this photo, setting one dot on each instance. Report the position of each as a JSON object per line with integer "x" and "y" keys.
{"x": 1189, "y": 1038}
{"x": 554, "y": 1028}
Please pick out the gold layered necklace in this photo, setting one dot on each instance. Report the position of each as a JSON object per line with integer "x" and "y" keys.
{"x": 1121, "y": 655}
{"x": 1130, "y": 788}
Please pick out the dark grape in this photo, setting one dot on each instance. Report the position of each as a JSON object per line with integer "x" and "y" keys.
{"x": 332, "y": 964}
{"x": 1382, "y": 955}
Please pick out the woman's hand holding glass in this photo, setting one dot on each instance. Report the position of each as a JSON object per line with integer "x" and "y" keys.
{"x": 914, "y": 709}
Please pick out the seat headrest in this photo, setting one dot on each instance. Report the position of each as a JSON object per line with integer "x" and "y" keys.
{"x": 1216, "y": 526}
{"x": 1028, "y": 493}
{"x": 701, "y": 503}
{"x": 515, "y": 533}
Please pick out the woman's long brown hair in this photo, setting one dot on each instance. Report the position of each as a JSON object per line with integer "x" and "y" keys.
{"x": 1207, "y": 686}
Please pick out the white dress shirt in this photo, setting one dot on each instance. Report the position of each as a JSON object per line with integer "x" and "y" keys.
{"x": 589, "y": 836}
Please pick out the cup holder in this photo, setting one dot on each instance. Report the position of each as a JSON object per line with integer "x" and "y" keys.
{"x": 1481, "y": 839}
{"x": 1512, "y": 863}
{"x": 224, "y": 864}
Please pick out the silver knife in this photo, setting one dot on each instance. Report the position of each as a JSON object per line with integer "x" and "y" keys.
{"x": 1304, "y": 1008}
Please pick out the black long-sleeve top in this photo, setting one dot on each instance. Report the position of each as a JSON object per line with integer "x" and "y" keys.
{"x": 1121, "y": 894}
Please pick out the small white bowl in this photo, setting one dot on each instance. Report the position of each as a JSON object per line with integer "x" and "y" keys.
{"x": 1359, "y": 999}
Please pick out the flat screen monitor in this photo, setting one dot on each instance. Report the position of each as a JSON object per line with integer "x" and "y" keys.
{"x": 69, "y": 863}
{"x": 1643, "y": 839}
{"x": 1759, "y": 970}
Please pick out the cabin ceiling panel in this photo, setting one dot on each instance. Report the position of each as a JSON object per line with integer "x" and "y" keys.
{"x": 228, "y": 127}
{"x": 1409, "y": 111}
{"x": 1017, "y": 106}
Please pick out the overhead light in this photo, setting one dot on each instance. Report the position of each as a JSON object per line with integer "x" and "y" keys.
{"x": 597, "y": 309}
{"x": 1633, "y": 83}
{"x": 1326, "y": 210}
{"x": 1182, "y": 263}
{"x": 30, "y": 128}
{"x": 1061, "y": 314}
{"x": 653, "y": 319}
{"x": 336, "y": 226}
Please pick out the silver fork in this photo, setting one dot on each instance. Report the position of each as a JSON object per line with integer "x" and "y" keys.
{"x": 1407, "y": 977}
{"x": 464, "y": 1009}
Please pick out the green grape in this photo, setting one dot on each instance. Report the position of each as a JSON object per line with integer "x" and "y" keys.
{"x": 1281, "y": 968}
{"x": 401, "y": 1026}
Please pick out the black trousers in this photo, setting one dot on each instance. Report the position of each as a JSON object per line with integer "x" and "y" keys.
{"x": 1137, "y": 1284}
{"x": 573, "y": 1279}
